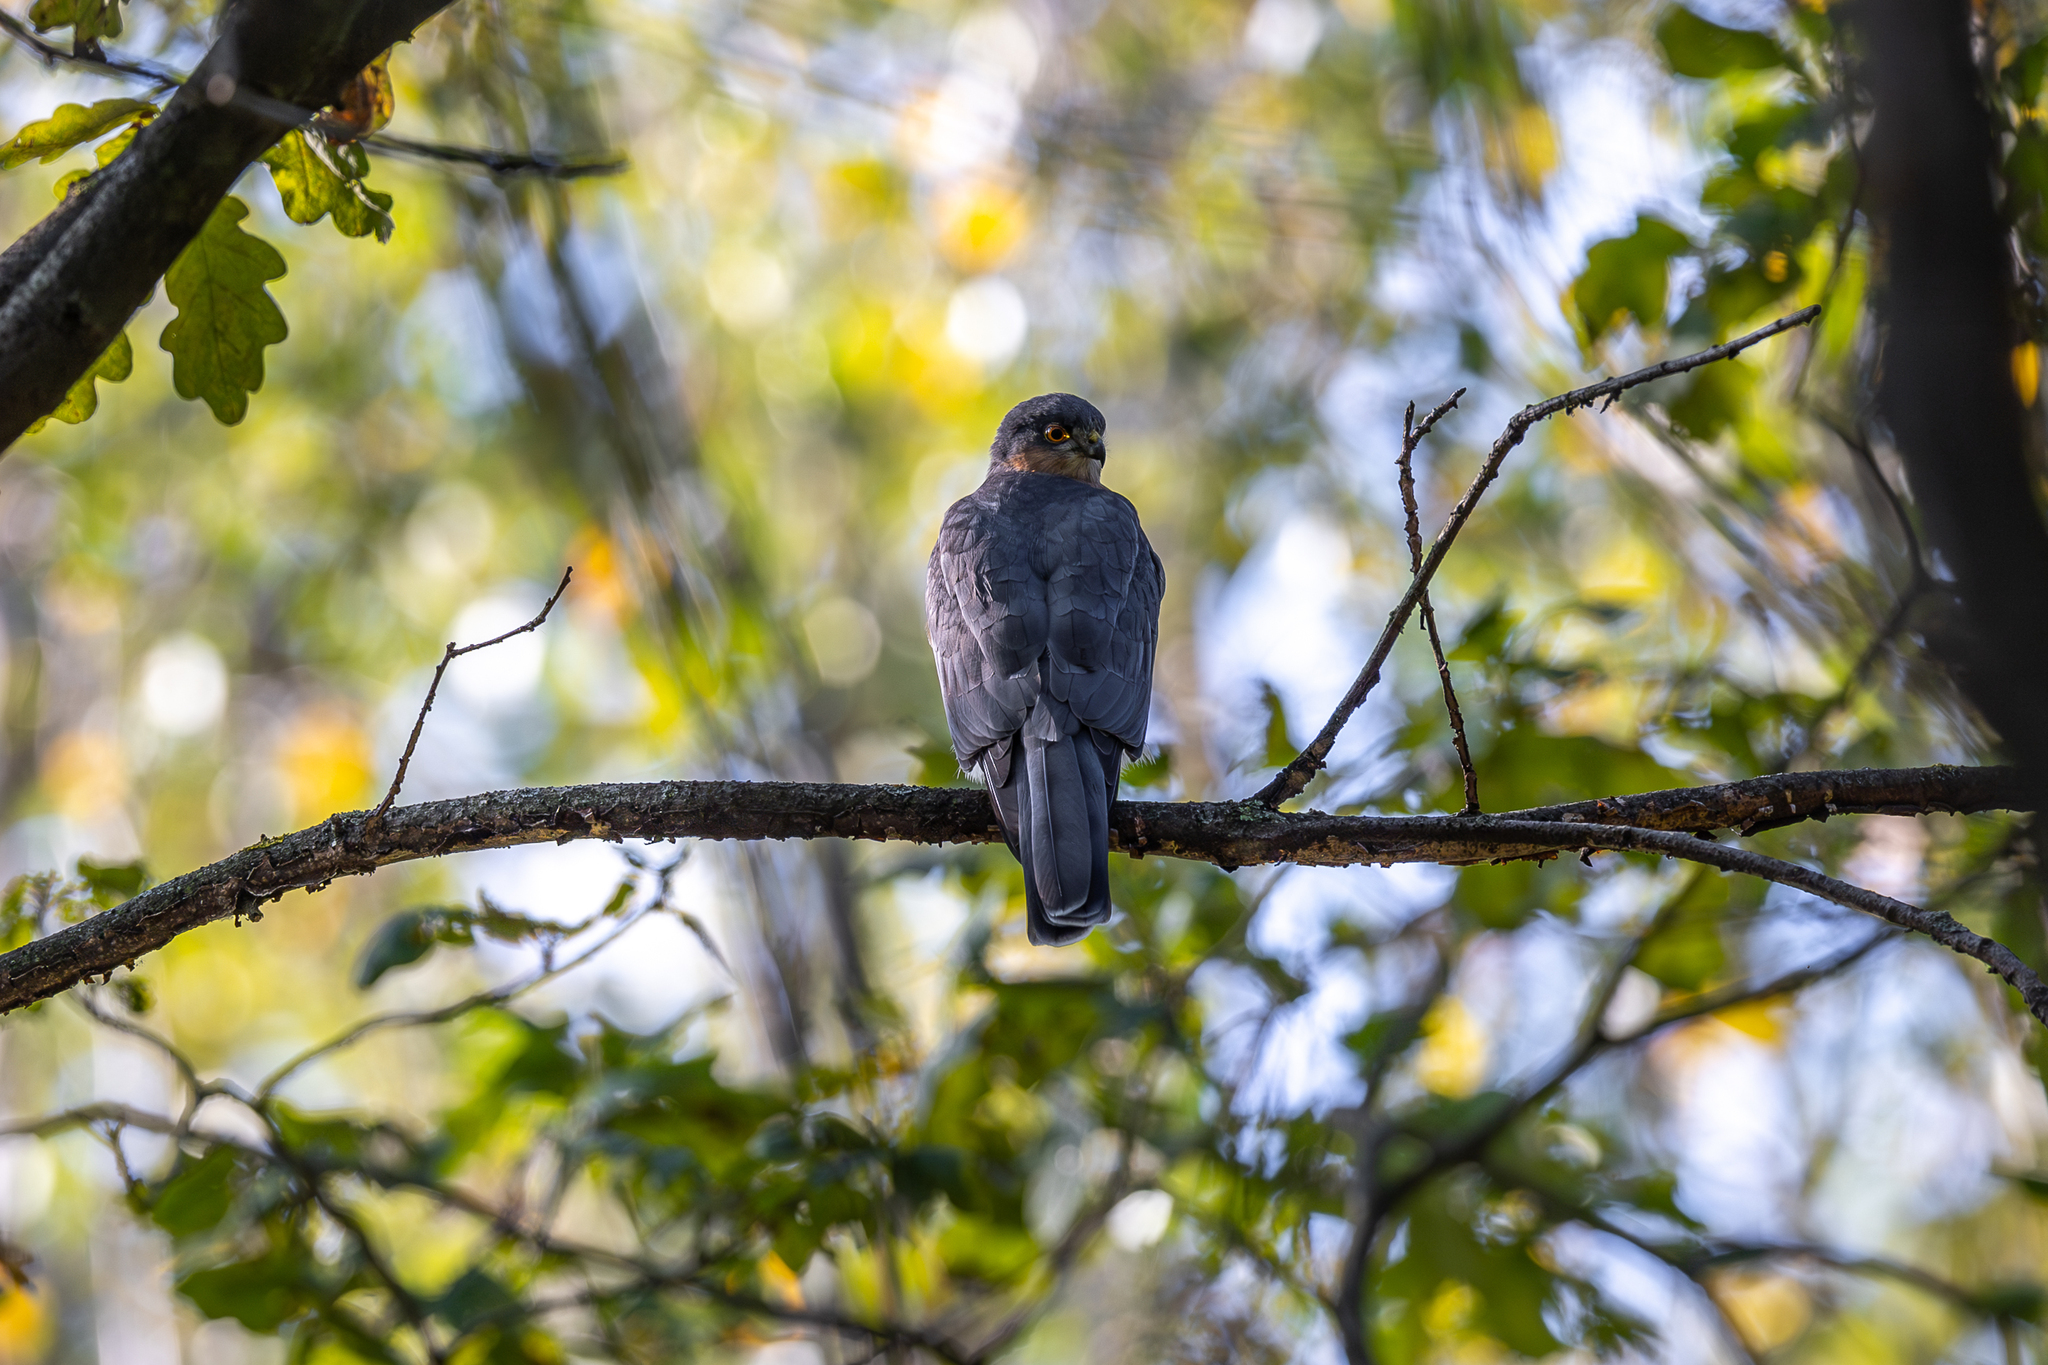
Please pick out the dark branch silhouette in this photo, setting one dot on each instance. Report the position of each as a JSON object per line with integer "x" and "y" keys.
{"x": 1228, "y": 834}
{"x": 1946, "y": 389}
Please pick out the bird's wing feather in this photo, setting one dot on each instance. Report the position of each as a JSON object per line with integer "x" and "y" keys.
{"x": 985, "y": 613}
{"x": 1103, "y": 590}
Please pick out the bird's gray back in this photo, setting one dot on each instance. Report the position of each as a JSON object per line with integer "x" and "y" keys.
{"x": 1042, "y": 587}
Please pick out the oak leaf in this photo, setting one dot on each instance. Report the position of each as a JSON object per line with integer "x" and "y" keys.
{"x": 47, "y": 139}
{"x": 225, "y": 315}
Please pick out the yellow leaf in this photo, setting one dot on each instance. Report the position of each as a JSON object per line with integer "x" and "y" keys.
{"x": 1760, "y": 1019}
{"x": 366, "y": 102}
{"x": 26, "y": 1321}
{"x": 1453, "y": 1056}
{"x": 2026, "y": 371}
{"x": 780, "y": 1283}
{"x": 980, "y": 223}
{"x": 1766, "y": 1308}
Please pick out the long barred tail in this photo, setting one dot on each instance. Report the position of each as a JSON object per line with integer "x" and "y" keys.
{"x": 1054, "y": 810}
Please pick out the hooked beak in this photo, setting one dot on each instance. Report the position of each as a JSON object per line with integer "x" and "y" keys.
{"x": 1097, "y": 451}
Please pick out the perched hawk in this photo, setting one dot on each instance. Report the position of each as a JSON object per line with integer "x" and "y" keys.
{"x": 1042, "y": 604}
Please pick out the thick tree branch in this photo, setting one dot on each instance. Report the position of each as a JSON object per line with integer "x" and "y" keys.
{"x": 69, "y": 285}
{"x": 1946, "y": 390}
{"x": 1293, "y": 779}
{"x": 1229, "y": 834}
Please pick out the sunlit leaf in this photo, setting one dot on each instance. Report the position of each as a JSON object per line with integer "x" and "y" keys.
{"x": 88, "y": 20}
{"x": 367, "y": 101}
{"x": 315, "y": 180}
{"x": 115, "y": 364}
{"x": 225, "y": 315}
{"x": 47, "y": 139}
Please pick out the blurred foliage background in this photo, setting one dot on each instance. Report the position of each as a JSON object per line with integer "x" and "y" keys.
{"x": 738, "y": 1103}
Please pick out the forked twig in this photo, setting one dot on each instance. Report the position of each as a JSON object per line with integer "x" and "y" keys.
{"x": 449, "y": 656}
{"x": 1411, "y": 437}
{"x": 1292, "y": 779}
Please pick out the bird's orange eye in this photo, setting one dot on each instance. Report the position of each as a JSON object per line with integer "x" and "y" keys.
{"x": 1056, "y": 433}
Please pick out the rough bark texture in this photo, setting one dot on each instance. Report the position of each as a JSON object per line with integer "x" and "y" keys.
{"x": 1230, "y": 834}
{"x": 1947, "y": 391}
{"x": 70, "y": 284}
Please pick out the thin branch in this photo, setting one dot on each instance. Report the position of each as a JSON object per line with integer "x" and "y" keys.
{"x": 1411, "y": 436}
{"x": 496, "y": 162}
{"x": 1292, "y": 779}
{"x": 1374, "y": 1204}
{"x": 1727, "y": 997}
{"x": 49, "y": 54}
{"x": 1472, "y": 1143}
{"x": 497, "y": 995}
{"x": 1060, "y": 1260}
{"x": 196, "y": 1090}
{"x": 1936, "y": 924}
{"x": 1229, "y": 834}
{"x": 1695, "y": 1258}
{"x": 163, "y": 78}
{"x": 449, "y": 656}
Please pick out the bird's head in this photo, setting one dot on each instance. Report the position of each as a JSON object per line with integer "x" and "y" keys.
{"x": 1054, "y": 433}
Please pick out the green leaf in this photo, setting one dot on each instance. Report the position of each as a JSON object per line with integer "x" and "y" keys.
{"x": 198, "y": 1194}
{"x": 2013, "y": 1299}
{"x": 1686, "y": 951}
{"x": 315, "y": 180}
{"x": 112, "y": 883}
{"x": 135, "y": 994}
{"x": 1695, "y": 47}
{"x": 474, "y": 1299}
{"x": 115, "y": 145}
{"x": 1716, "y": 399}
{"x": 1150, "y": 772}
{"x": 982, "y": 1249}
{"x": 937, "y": 766}
{"x": 1627, "y": 275}
{"x": 87, "y": 19}
{"x": 1524, "y": 768}
{"x": 262, "y": 1294}
{"x": 115, "y": 364}
{"x": 47, "y": 139}
{"x": 225, "y": 315}
{"x": 399, "y": 941}
{"x": 1280, "y": 750}
{"x": 1444, "y": 1247}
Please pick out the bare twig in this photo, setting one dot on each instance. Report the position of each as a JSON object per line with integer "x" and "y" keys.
{"x": 162, "y": 78}
{"x": 1411, "y": 436}
{"x": 449, "y": 656}
{"x": 1290, "y": 781}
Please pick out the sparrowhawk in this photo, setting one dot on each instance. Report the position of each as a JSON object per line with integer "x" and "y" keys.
{"x": 1042, "y": 604}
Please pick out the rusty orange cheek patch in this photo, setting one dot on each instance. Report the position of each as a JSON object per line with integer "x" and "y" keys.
{"x": 1069, "y": 466}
